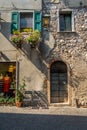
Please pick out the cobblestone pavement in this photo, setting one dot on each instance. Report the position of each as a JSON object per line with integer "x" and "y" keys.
{"x": 54, "y": 118}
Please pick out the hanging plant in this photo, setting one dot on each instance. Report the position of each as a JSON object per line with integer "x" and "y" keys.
{"x": 33, "y": 38}
{"x": 17, "y": 38}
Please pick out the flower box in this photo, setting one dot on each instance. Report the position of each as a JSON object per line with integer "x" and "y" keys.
{"x": 33, "y": 38}
{"x": 17, "y": 39}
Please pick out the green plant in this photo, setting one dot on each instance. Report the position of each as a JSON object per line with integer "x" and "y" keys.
{"x": 11, "y": 100}
{"x": 33, "y": 37}
{"x": 7, "y": 100}
{"x": 17, "y": 32}
{"x": 2, "y": 99}
{"x": 20, "y": 91}
{"x": 19, "y": 96}
{"x": 22, "y": 86}
{"x": 17, "y": 37}
{"x": 27, "y": 30}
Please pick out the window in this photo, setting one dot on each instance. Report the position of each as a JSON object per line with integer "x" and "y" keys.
{"x": 46, "y": 22}
{"x": 8, "y": 68}
{"x": 22, "y": 20}
{"x": 66, "y": 21}
{"x": 26, "y": 20}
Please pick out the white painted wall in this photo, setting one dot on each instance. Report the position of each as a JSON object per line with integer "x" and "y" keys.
{"x": 20, "y": 4}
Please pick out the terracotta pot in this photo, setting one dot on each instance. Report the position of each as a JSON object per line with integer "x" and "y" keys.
{"x": 19, "y": 45}
{"x": 32, "y": 45}
{"x": 19, "y": 104}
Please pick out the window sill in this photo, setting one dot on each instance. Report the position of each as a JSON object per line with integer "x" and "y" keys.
{"x": 66, "y": 31}
{"x": 24, "y": 33}
{"x": 46, "y": 29}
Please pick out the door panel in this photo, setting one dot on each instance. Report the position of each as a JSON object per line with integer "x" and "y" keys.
{"x": 58, "y": 81}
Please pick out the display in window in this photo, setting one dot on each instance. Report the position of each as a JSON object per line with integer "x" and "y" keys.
{"x": 7, "y": 78}
{"x": 7, "y": 83}
{"x": 1, "y": 83}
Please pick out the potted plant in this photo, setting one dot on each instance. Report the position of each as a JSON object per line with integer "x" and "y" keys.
{"x": 19, "y": 98}
{"x": 20, "y": 94}
{"x": 17, "y": 38}
{"x": 33, "y": 38}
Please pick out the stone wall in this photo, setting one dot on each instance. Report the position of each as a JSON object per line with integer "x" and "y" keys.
{"x": 70, "y": 47}
{"x": 75, "y": 3}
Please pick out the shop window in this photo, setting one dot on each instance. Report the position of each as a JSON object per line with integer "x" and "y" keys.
{"x": 7, "y": 78}
{"x": 66, "y": 21}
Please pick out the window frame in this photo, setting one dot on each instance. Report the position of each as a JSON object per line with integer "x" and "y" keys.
{"x": 27, "y": 17}
{"x": 20, "y": 18}
{"x": 72, "y": 20}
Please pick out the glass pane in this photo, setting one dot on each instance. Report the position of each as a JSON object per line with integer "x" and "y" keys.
{"x": 26, "y": 20}
{"x": 65, "y": 21}
{"x": 62, "y": 23}
{"x": 46, "y": 22}
{"x": 68, "y": 22}
{"x": 7, "y": 69}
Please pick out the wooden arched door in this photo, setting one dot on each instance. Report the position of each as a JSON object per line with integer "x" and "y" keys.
{"x": 58, "y": 82}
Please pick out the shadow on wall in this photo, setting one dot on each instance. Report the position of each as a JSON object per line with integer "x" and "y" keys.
{"x": 35, "y": 99}
{"x": 3, "y": 56}
{"x": 32, "y": 54}
{"x": 5, "y": 29}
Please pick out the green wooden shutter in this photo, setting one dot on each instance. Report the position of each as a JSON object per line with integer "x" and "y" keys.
{"x": 37, "y": 21}
{"x": 15, "y": 21}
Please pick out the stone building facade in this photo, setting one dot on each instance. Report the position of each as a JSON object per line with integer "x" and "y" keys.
{"x": 58, "y": 67}
{"x": 68, "y": 47}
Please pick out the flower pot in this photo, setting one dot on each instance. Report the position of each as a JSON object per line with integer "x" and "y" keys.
{"x": 19, "y": 45}
{"x": 32, "y": 45}
{"x": 19, "y": 104}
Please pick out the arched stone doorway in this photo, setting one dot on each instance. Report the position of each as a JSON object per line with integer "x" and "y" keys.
{"x": 58, "y": 82}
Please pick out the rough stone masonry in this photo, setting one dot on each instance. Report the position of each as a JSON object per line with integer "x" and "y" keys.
{"x": 70, "y": 47}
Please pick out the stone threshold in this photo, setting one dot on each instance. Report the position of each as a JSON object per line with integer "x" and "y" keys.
{"x": 59, "y": 104}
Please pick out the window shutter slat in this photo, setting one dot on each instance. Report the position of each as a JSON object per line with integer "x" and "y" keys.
{"x": 37, "y": 21}
{"x": 14, "y": 21}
